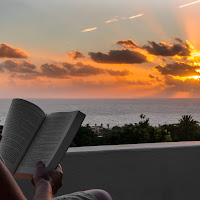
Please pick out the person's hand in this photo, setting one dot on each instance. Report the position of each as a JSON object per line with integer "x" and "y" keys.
{"x": 53, "y": 177}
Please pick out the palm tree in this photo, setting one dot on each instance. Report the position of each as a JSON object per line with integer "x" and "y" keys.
{"x": 187, "y": 120}
{"x": 188, "y": 128}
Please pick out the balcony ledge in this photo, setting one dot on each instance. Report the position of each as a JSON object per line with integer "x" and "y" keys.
{"x": 153, "y": 171}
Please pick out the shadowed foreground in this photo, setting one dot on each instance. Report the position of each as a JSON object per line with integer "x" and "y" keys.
{"x": 158, "y": 171}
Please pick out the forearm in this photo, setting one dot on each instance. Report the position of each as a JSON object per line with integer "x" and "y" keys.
{"x": 43, "y": 191}
{"x": 8, "y": 187}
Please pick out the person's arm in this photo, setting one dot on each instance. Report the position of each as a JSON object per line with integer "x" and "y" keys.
{"x": 8, "y": 187}
{"x": 46, "y": 183}
{"x": 43, "y": 191}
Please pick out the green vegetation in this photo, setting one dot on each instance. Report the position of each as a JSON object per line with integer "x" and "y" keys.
{"x": 187, "y": 129}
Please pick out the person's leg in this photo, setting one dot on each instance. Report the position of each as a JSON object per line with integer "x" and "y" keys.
{"x": 99, "y": 194}
{"x": 94, "y": 194}
{"x": 9, "y": 189}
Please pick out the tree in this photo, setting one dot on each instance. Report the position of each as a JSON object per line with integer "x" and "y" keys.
{"x": 85, "y": 137}
{"x": 188, "y": 129}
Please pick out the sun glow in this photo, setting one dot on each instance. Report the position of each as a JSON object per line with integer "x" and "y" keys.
{"x": 194, "y": 77}
{"x": 194, "y": 54}
{"x": 183, "y": 78}
{"x": 194, "y": 57}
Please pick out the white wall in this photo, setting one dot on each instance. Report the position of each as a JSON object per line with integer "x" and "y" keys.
{"x": 159, "y": 171}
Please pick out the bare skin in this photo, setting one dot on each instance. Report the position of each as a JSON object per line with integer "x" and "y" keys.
{"x": 46, "y": 184}
{"x": 8, "y": 187}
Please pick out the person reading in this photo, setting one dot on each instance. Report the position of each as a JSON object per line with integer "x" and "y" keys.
{"x": 46, "y": 184}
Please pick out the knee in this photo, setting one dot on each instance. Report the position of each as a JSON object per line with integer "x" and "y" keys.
{"x": 100, "y": 194}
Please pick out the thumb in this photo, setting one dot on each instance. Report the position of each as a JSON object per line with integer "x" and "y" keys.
{"x": 40, "y": 164}
{"x": 40, "y": 167}
{"x": 59, "y": 168}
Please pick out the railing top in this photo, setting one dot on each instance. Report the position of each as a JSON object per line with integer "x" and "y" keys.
{"x": 144, "y": 146}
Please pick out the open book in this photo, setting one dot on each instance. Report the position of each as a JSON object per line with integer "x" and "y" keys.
{"x": 29, "y": 135}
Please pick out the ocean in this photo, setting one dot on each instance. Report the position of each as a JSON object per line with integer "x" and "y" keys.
{"x": 117, "y": 111}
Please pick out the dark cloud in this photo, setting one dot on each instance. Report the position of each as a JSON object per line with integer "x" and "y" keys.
{"x": 177, "y": 69}
{"x": 26, "y": 70}
{"x": 119, "y": 57}
{"x": 23, "y": 67}
{"x": 158, "y": 79}
{"x": 178, "y": 40}
{"x": 128, "y": 43}
{"x": 164, "y": 49}
{"x": 7, "y": 51}
{"x": 174, "y": 84}
{"x": 124, "y": 72}
{"x": 75, "y": 55}
{"x": 53, "y": 71}
{"x": 79, "y": 69}
{"x": 188, "y": 85}
{"x": 151, "y": 76}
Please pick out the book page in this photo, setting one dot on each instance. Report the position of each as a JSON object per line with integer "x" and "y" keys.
{"x": 22, "y": 122}
{"x": 56, "y": 129}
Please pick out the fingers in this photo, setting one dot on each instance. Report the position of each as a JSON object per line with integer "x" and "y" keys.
{"x": 40, "y": 164}
{"x": 40, "y": 167}
{"x": 59, "y": 168}
{"x": 39, "y": 170}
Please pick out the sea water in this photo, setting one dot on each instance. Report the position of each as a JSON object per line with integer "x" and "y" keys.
{"x": 117, "y": 111}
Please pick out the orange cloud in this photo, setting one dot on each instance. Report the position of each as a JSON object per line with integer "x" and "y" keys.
{"x": 128, "y": 43}
{"x": 98, "y": 76}
{"x": 178, "y": 69}
{"x": 75, "y": 55}
{"x": 7, "y": 51}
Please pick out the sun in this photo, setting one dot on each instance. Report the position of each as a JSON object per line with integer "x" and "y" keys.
{"x": 194, "y": 77}
{"x": 194, "y": 57}
{"x": 183, "y": 78}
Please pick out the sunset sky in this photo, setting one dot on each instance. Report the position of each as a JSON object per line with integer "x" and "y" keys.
{"x": 99, "y": 48}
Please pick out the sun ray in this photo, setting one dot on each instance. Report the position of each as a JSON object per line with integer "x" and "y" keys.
{"x": 152, "y": 21}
